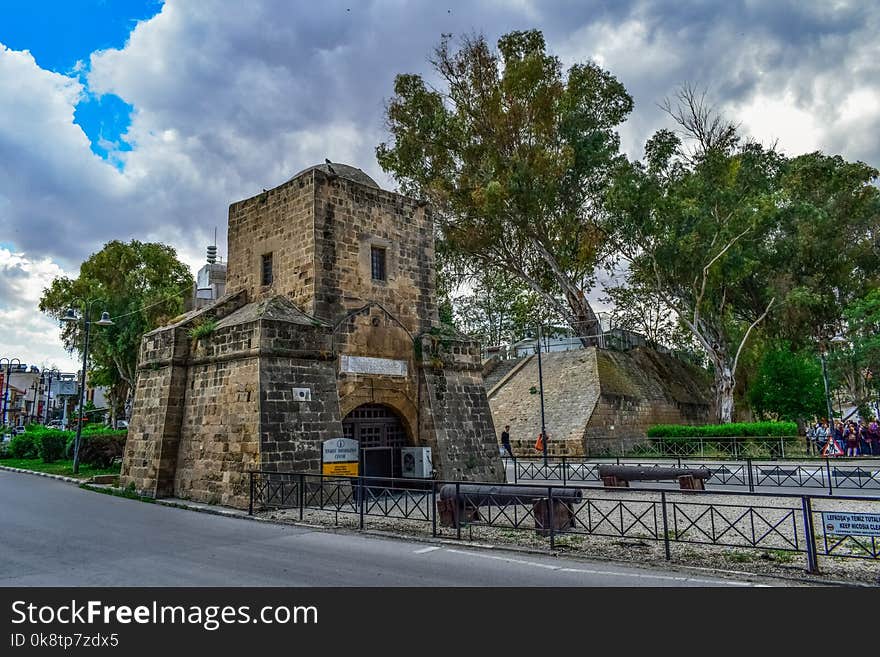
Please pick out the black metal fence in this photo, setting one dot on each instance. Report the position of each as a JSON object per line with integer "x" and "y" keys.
{"x": 836, "y": 474}
{"x": 778, "y": 522}
{"x": 734, "y": 447}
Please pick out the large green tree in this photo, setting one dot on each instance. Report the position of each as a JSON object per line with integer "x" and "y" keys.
{"x": 693, "y": 223}
{"x": 829, "y": 224}
{"x": 733, "y": 235}
{"x": 141, "y": 285}
{"x": 516, "y": 155}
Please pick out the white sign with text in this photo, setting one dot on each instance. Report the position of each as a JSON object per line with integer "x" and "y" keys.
{"x": 851, "y": 524}
{"x": 367, "y": 365}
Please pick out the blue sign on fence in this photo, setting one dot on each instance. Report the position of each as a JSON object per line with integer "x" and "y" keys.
{"x": 851, "y": 524}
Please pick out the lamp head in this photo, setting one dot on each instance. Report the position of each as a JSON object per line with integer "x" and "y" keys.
{"x": 838, "y": 339}
{"x": 105, "y": 319}
{"x": 69, "y": 316}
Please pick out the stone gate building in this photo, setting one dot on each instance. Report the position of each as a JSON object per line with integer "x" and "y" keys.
{"x": 328, "y": 328}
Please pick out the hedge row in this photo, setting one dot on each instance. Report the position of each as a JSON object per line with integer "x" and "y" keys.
{"x": 98, "y": 445}
{"x": 736, "y": 429}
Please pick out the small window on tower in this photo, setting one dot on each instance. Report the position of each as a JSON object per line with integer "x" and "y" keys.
{"x": 267, "y": 269}
{"x": 377, "y": 263}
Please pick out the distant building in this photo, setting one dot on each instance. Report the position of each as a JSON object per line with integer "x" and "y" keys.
{"x": 210, "y": 282}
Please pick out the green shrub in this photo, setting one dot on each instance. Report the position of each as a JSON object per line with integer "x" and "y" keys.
{"x": 25, "y": 446}
{"x": 99, "y": 448}
{"x": 735, "y": 429}
{"x": 51, "y": 445}
{"x": 203, "y": 329}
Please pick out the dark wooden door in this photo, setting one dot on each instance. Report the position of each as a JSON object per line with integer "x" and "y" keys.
{"x": 380, "y": 434}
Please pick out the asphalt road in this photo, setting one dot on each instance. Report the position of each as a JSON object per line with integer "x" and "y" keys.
{"x": 55, "y": 534}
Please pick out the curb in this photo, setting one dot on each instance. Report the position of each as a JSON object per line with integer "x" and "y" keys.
{"x": 69, "y": 480}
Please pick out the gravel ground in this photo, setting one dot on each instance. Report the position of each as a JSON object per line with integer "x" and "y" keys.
{"x": 626, "y": 528}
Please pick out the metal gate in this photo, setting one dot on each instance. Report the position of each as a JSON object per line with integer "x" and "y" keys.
{"x": 381, "y": 434}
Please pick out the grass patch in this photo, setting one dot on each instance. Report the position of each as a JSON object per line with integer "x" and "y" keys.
{"x": 740, "y": 557}
{"x": 64, "y": 468}
{"x": 128, "y": 493}
{"x": 779, "y": 556}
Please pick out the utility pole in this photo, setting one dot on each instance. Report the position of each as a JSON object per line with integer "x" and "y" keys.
{"x": 541, "y": 389}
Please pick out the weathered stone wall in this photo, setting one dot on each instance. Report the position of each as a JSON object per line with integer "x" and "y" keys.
{"x": 219, "y": 434}
{"x": 296, "y": 353}
{"x": 151, "y": 448}
{"x": 641, "y": 388}
{"x": 598, "y": 399}
{"x": 571, "y": 391}
{"x": 455, "y": 415}
{"x": 292, "y": 431}
{"x": 281, "y": 222}
{"x": 377, "y": 334}
{"x": 350, "y": 218}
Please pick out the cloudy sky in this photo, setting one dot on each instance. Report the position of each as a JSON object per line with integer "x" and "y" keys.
{"x": 138, "y": 119}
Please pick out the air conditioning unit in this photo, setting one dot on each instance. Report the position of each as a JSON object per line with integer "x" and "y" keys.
{"x": 416, "y": 462}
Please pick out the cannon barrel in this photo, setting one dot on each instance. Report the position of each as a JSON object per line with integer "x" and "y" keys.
{"x": 482, "y": 495}
{"x": 639, "y": 473}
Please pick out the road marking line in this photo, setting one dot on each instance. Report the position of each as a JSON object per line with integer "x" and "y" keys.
{"x": 427, "y": 549}
{"x": 588, "y": 571}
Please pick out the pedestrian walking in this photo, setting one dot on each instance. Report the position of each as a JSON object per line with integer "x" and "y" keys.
{"x": 505, "y": 440}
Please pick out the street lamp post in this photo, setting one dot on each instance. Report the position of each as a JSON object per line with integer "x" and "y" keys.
{"x": 33, "y": 412}
{"x": 541, "y": 390}
{"x": 87, "y": 324}
{"x": 9, "y": 363}
{"x": 49, "y": 375}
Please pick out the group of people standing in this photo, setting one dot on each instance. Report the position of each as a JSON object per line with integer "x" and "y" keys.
{"x": 850, "y": 438}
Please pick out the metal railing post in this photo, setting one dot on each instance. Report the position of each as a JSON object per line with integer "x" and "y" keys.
{"x": 515, "y": 467}
{"x": 457, "y": 510}
{"x": 564, "y": 469}
{"x": 360, "y": 482}
{"x": 782, "y": 446}
{"x": 751, "y": 476}
{"x": 434, "y": 509}
{"x": 251, "y": 502}
{"x": 812, "y": 560}
{"x": 665, "y": 525}
{"x": 302, "y": 494}
{"x": 828, "y": 470}
{"x": 702, "y": 453}
{"x": 551, "y": 518}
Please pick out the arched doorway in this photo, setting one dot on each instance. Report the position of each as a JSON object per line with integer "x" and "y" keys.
{"x": 381, "y": 433}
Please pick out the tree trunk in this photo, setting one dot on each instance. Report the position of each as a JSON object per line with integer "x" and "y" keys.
{"x": 584, "y": 321}
{"x": 724, "y": 386}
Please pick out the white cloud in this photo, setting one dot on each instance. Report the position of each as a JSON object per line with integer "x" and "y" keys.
{"x": 30, "y": 336}
{"x": 231, "y": 98}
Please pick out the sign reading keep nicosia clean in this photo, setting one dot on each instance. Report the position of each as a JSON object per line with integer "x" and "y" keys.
{"x": 851, "y": 524}
{"x": 340, "y": 457}
{"x": 367, "y": 365}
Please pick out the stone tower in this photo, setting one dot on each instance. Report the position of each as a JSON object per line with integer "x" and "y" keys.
{"x": 328, "y": 328}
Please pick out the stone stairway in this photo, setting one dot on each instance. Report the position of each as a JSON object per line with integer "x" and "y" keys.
{"x": 500, "y": 371}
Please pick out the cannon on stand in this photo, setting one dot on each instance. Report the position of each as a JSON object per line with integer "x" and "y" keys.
{"x": 463, "y": 506}
{"x": 619, "y": 476}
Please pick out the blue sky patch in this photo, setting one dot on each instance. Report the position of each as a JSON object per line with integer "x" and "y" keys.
{"x": 104, "y": 119}
{"x": 60, "y": 33}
